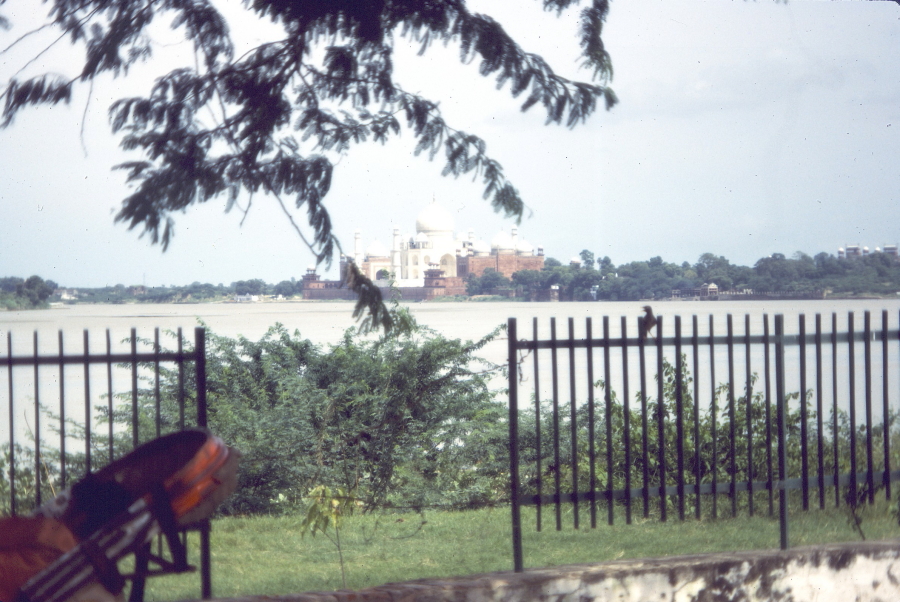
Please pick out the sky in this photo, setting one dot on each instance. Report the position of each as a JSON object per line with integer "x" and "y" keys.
{"x": 743, "y": 129}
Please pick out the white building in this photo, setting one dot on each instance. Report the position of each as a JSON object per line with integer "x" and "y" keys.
{"x": 435, "y": 246}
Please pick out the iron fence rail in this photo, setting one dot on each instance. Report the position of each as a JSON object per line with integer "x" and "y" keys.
{"x": 137, "y": 362}
{"x": 683, "y": 466}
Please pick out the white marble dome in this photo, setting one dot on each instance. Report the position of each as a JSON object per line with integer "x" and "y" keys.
{"x": 523, "y": 247}
{"x": 479, "y": 247}
{"x": 503, "y": 242}
{"x": 376, "y": 249}
{"x": 434, "y": 218}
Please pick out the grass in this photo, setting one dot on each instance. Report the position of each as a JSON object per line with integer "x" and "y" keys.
{"x": 267, "y": 555}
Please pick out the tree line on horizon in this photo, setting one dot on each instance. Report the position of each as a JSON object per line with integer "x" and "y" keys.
{"x": 590, "y": 279}
{"x": 602, "y": 280}
{"x": 20, "y": 293}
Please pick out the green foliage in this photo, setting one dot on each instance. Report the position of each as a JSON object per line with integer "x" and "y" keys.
{"x": 488, "y": 283}
{"x": 327, "y": 509}
{"x": 715, "y": 454}
{"x": 587, "y": 259}
{"x": 250, "y": 287}
{"x": 276, "y": 118}
{"x": 877, "y": 273}
{"x": 16, "y": 293}
{"x": 405, "y": 419}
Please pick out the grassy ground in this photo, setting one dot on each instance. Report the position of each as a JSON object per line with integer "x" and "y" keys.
{"x": 268, "y": 556}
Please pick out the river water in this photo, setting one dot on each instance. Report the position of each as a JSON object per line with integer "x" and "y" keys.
{"x": 325, "y": 322}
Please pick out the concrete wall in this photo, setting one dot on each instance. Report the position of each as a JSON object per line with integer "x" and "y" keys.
{"x": 862, "y": 572}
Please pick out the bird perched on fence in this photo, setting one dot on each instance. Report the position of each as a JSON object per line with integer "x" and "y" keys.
{"x": 648, "y": 322}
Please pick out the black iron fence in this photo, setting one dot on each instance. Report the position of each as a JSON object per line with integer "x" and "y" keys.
{"x": 63, "y": 424}
{"x": 687, "y": 416}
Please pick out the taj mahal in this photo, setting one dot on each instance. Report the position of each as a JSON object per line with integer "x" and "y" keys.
{"x": 434, "y": 262}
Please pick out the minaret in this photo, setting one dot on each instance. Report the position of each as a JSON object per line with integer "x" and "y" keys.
{"x": 395, "y": 254}
{"x": 357, "y": 248}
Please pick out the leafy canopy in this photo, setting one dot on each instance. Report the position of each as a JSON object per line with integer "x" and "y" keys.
{"x": 273, "y": 120}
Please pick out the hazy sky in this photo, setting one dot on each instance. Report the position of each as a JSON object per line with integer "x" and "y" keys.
{"x": 743, "y": 129}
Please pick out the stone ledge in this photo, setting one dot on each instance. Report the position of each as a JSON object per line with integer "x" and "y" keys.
{"x": 861, "y": 572}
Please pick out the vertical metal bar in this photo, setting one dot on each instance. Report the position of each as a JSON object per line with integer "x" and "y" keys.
{"x": 556, "y": 460}
{"x": 135, "y": 425}
{"x": 820, "y": 424}
{"x": 109, "y": 392}
{"x": 156, "y": 396}
{"x": 206, "y": 561}
{"x": 12, "y": 426}
{"x": 749, "y": 404}
{"x": 626, "y": 417}
{"x": 781, "y": 401}
{"x": 834, "y": 411}
{"x": 732, "y": 431}
{"x": 87, "y": 406}
{"x": 514, "y": 443}
{"x": 200, "y": 351}
{"x": 645, "y": 453}
{"x": 870, "y": 453}
{"x": 573, "y": 423}
{"x": 205, "y": 556}
{"x": 804, "y": 419}
{"x": 537, "y": 423}
{"x": 62, "y": 415}
{"x": 714, "y": 463}
{"x": 158, "y": 412}
{"x": 37, "y": 427}
{"x": 770, "y": 480}
{"x": 607, "y": 396}
{"x": 592, "y": 451}
{"x": 851, "y": 344}
{"x": 885, "y": 413}
{"x": 660, "y": 420}
{"x": 679, "y": 418}
{"x": 181, "y": 379}
{"x": 695, "y": 344}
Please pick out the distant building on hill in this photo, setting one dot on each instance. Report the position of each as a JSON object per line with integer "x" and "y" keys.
{"x": 432, "y": 263}
{"x": 856, "y": 250}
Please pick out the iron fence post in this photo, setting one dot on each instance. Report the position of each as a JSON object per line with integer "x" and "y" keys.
{"x": 205, "y": 556}
{"x": 851, "y": 352}
{"x": 804, "y": 418}
{"x": 679, "y": 417}
{"x": 62, "y": 413}
{"x": 870, "y": 453}
{"x": 514, "y": 446}
{"x": 886, "y": 423}
{"x": 87, "y": 405}
{"x": 660, "y": 420}
{"x": 37, "y": 428}
{"x": 135, "y": 419}
{"x": 782, "y": 444}
{"x": 537, "y": 428}
{"x": 607, "y": 412}
{"x": 12, "y": 427}
{"x": 573, "y": 423}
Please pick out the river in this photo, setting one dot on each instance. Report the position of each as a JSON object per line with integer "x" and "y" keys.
{"x": 325, "y": 322}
